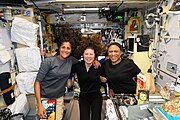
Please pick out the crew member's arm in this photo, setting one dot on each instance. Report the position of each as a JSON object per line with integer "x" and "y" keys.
{"x": 43, "y": 71}
{"x": 70, "y": 80}
{"x": 41, "y": 110}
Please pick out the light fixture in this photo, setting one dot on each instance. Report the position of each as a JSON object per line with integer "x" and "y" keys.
{"x": 83, "y": 9}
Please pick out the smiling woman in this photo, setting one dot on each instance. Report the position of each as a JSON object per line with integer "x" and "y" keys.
{"x": 52, "y": 78}
{"x": 115, "y": 53}
{"x": 90, "y": 98}
{"x": 89, "y": 57}
{"x": 120, "y": 71}
{"x": 65, "y": 50}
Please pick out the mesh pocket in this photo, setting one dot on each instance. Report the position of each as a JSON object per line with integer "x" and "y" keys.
{"x": 5, "y": 114}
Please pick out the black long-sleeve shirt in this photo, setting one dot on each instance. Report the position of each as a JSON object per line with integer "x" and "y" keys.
{"x": 120, "y": 76}
{"x": 89, "y": 82}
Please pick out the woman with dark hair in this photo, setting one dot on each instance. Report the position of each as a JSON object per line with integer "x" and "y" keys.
{"x": 52, "y": 79}
{"x": 90, "y": 98}
{"x": 120, "y": 71}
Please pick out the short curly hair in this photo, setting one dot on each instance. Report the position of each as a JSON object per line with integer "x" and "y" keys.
{"x": 89, "y": 41}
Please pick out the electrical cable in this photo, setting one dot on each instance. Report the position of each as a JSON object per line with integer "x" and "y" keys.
{"x": 119, "y": 5}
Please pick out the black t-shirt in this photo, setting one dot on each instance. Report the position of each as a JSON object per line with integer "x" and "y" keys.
{"x": 89, "y": 82}
{"x": 120, "y": 76}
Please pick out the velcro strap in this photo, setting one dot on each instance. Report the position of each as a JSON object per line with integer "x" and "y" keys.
{"x": 8, "y": 89}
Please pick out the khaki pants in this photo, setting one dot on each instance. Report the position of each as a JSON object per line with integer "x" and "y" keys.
{"x": 59, "y": 108}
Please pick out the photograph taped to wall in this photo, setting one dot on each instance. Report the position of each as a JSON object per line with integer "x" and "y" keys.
{"x": 143, "y": 96}
{"x": 134, "y": 25}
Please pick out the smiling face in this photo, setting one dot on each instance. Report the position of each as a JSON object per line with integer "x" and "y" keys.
{"x": 89, "y": 55}
{"x": 65, "y": 50}
{"x": 143, "y": 96}
{"x": 114, "y": 54}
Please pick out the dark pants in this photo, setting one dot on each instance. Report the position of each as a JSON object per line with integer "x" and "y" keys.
{"x": 90, "y": 106}
{"x": 4, "y": 84}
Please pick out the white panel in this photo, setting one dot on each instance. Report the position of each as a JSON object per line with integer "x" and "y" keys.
{"x": 174, "y": 25}
{"x": 164, "y": 78}
{"x": 170, "y": 53}
{"x": 169, "y": 49}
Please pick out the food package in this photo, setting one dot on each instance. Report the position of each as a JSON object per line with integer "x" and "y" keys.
{"x": 171, "y": 109}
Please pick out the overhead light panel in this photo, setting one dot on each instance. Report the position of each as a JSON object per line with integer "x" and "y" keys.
{"x": 83, "y": 9}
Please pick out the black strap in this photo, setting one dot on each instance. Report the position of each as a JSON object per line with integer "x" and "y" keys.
{"x": 21, "y": 115}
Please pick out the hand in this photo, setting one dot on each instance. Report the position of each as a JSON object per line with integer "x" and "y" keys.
{"x": 41, "y": 112}
{"x": 103, "y": 79}
{"x": 69, "y": 83}
{"x": 42, "y": 52}
{"x": 96, "y": 64}
{"x": 111, "y": 93}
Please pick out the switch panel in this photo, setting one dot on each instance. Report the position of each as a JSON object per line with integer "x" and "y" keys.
{"x": 171, "y": 67}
